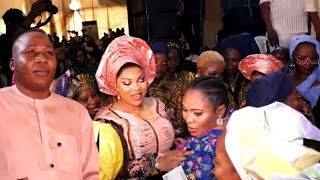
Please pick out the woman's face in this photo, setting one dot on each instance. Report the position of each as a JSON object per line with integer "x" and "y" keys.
{"x": 293, "y": 100}
{"x": 232, "y": 58}
{"x": 224, "y": 169}
{"x": 80, "y": 56}
{"x": 161, "y": 65}
{"x": 199, "y": 113}
{"x": 214, "y": 69}
{"x": 173, "y": 60}
{"x": 302, "y": 52}
{"x": 132, "y": 86}
{"x": 89, "y": 99}
{"x": 255, "y": 75}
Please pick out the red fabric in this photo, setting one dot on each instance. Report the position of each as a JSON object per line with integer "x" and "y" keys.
{"x": 120, "y": 51}
{"x": 263, "y": 63}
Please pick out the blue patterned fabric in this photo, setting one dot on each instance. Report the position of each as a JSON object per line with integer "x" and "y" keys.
{"x": 308, "y": 91}
{"x": 201, "y": 163}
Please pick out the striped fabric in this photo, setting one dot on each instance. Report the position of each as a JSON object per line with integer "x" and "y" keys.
{"x": 288, "y": 16}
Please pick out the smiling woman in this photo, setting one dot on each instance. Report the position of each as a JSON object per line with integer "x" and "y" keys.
{"x": 126, "y": 70}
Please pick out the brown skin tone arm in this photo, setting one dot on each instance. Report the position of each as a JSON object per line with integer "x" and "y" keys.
{"x": 314, "y": 17}
{"x": 37, "y": 8}
{"x": 272, "y": 34}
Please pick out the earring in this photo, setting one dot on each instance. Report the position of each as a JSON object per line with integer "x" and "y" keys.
{"x": 220, "y": 120}
{"x": 292, "y": 66}
{"x": 118, "y": 97}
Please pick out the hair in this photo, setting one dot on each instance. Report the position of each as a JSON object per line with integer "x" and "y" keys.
{"x": 255, "y": 72}
{"x": 125, "y": 66}
{"x": 212, "y": 88}
{"x": 29, "y": 31}
{"x": 304, "y": 43}
{"x": 174, "y": 49}
{"x": 209, "y": 57}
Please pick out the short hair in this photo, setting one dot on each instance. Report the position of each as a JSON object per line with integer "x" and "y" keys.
{"x": 28, "y": 31}
{"x": 209, "y": 57}
{"x": 212, "y": 88}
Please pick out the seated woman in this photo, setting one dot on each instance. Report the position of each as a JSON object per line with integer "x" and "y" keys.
{"x": 271, "y": 88}
{"x": 111, "y": 155}
{"x": 205, "y": 104}
{"x": 304, "y": 53}
{"x": 275, "y": 87}
{"x": 126, "y": 70}
{"x": 211, "y": 63}
{"x": 171, "y": 89}
{"x": 233, "y": 50}
{"x": 255, "y": 66}
{"x": 270, "y": 142}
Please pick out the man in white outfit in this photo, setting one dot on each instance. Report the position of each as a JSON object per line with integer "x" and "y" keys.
{"x": 287, "y": 19}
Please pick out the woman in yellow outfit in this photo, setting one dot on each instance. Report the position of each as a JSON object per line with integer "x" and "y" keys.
{"x": 107, "y": 139}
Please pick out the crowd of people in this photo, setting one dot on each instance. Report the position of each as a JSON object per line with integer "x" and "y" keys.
{"x": 129, "y": 110}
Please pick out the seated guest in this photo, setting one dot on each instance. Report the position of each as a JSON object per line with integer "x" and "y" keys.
{"x": 205, "y": 112}
{"x": 276, "y": 87}
{"x": 85, "y": 92}
{"x": 270, "y": 142}
{"x": 55, "y": 135}
{"x": 107, "y": 139}
{"x": 172, "y": 88}
{"x": 160, "y": 51}
{"x": 211, "y": 63}
{"x": 271, "y": 88}
{"x": 255, "y": 66}
{"x": 126, "y": 70}
{"x": 81, "y": 63}
{"x": 304, "y": 53}
{"x": 233, "y": 50}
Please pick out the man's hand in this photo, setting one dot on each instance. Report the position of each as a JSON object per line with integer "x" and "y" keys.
{"x": 37, "y": 8}
{"x": 273, "y": 37}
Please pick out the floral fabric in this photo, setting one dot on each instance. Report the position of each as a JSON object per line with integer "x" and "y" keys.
{"x": 201, "y": 163}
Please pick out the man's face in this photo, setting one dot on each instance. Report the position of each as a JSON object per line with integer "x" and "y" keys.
{"x": 161, "y": 65}
{"x": 33, "y": 61}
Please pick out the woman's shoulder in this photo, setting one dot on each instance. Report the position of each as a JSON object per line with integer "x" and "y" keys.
{"x": 108, "y": 115}
{"x": 155, "y": 104}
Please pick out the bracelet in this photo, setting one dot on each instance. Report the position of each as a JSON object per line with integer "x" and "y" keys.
{"x": 156, "y": 166}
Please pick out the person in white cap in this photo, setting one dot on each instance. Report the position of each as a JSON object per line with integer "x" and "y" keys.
{"x": 270, "y": 142}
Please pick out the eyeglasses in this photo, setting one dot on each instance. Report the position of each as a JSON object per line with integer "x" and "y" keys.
{"x": 304, "y": 59}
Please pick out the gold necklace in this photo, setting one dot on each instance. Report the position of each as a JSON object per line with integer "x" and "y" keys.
{"x": 146, "y": 114}
{"x": 234, "y": 83}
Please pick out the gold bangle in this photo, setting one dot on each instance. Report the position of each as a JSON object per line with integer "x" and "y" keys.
{"x": 156, "y": 166}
